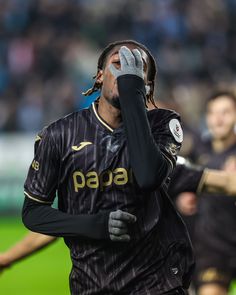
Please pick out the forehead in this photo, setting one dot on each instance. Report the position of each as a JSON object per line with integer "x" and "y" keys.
{"x": 221, "y": 102}
{"x": 115, "y": 51}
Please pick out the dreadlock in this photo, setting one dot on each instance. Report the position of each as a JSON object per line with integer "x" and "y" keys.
{"x": 151, "y": 68}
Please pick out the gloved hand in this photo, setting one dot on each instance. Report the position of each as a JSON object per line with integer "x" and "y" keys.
{"x": 131, "y": 63}
{"x": 117, "y": 225}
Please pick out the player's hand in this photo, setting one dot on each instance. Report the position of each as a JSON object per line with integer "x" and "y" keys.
{"x": 186, "y": 203}
{"x": 117, "y": 225}
{"x": 3, "y": 262}
{"x": 131, "y": 63}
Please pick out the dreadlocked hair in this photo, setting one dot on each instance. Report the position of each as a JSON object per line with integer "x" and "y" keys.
{"x": 152, "y": 69}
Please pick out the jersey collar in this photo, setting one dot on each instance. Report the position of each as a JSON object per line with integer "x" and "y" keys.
{"x": 101, "y": 121}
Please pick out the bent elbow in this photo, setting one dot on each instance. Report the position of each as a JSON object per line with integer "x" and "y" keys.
{"x": 31, "y": 214}
{"x": 27, "y": 221}
{"x": 29, "y": 218}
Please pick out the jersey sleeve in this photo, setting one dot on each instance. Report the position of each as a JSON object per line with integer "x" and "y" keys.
{"x": 185, "y": 178}
{"x": 42, "y": 179}
{"x": 168, "y": 134}
{"x": 147, "y": 154}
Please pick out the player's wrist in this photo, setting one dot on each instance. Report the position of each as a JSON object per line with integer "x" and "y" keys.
{"x": 5, "y": 260}
{"x": 129, "y": 86}
{"x": 230, "y": 185}
{"x": 214, "y": 180}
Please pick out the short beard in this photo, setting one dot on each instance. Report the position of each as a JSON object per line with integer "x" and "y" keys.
{"x": 115, "y": 102}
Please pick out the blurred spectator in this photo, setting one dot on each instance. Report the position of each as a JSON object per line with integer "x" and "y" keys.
{"x": 48, "y": 49}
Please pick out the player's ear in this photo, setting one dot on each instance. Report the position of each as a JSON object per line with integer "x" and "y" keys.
{"x": 99, "y": 77}
{"x": 148, "y": 88}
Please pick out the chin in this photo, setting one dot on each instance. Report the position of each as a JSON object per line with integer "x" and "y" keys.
{"x": 114, "y": 101}
{"x": 220, "y": 136}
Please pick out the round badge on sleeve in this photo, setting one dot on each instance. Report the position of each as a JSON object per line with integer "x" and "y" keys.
{"x": 176, "y": 130}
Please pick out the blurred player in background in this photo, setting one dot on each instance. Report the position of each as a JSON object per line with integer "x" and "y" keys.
{"x": 215, "y": 223}
{"x": 98, "y": 161}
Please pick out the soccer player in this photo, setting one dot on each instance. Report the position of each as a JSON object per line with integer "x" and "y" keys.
{"x": 114, "y": 155}
{"x": 215, "y": 225}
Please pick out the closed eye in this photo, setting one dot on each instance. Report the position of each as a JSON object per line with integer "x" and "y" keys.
{"x": 116, "y": 64}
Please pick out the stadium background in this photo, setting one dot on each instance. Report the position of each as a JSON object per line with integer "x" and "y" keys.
{"x": 48, "y": 54}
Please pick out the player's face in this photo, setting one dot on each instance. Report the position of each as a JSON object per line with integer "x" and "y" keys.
{"x": 221, "y": 117}
{"x": 109, "y": 88}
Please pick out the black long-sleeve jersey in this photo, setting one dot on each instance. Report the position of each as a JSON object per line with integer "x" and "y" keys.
{"x": 216, "y": 221}
{"x": 186, "y": 177}
{"x": 87, "y": 163}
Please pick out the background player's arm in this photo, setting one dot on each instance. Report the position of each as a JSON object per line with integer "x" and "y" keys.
{"x": 190, "y": 178}
{"x": 218, "y": 181}
{"x": 184, "y": 178}
{"x": 150, "y": 167}
{"x": 30, "y": 244}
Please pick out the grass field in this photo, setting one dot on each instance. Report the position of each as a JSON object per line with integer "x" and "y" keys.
{"x": 45, "y": 273}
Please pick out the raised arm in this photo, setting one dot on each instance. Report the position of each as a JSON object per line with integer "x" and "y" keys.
{"x": 151, "y": 165}
{"x": 187, "y": 177}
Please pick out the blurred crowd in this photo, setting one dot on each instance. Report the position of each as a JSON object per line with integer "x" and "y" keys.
{"x": 49, "y": 50}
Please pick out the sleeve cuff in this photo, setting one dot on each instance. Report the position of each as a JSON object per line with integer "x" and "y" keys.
{"x": 202, "y": 182}
{"x": 37, "y": 198}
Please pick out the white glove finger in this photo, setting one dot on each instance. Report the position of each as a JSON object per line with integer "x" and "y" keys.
{"x": 117, "y": 223}
{"x": 123, "y": 216}
{"x": 123, "y": 238}
{"x": 117, "y": 231}
{"x": 138, "y": 59}
{"x": 115, "y": 72}
{"x": 127, "y": 57}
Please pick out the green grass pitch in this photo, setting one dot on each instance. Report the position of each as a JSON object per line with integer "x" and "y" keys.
{"x": 44, "y": 273}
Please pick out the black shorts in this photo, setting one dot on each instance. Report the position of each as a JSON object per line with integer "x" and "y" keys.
{"x": 213, "y": 269}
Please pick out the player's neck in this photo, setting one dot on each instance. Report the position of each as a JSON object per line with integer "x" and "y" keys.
{"x": 110, "y": 114}
{"x": 220, "y": 145}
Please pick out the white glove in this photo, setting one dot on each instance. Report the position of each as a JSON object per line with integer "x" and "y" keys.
{"x": 117, "y": 225}
{"x": 131, "y": 63}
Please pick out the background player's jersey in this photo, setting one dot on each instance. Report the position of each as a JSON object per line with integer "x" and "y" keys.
{"x": 86, "y": 162}
{"x": 216, "y": 220}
